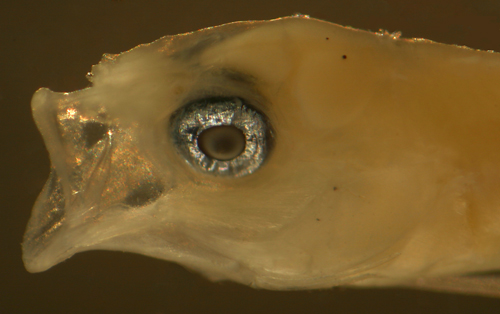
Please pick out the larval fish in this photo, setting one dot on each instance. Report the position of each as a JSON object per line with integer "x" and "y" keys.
{"x": 284, "y": 154}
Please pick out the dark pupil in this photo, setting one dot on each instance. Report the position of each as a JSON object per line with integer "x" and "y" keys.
{"x": 223, "y": 142}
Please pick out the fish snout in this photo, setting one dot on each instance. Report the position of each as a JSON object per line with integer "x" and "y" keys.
{"x": 98, "y": 175}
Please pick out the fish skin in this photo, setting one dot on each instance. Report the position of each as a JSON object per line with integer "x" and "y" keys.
{"x": 384, "y": 169}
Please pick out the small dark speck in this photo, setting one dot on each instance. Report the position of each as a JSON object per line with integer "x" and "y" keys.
{"x": 327, "y": 38}
{"x": 317, "y": 219}
{"x": 335, "y": 188}
{"x": 344, "y": 57}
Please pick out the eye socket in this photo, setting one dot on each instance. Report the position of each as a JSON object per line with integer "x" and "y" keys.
{"x": 221, "y": 136}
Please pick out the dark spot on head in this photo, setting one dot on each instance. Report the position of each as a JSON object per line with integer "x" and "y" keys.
{"x": 317, "y": 219}
{"x": 344, "y": 57}
{"x": 199, "y": 45}
{"x": 93, "y": 132}
{"x": 335, "y": 188}
{"x": 234, "y": 76}
{"x": 327, "y": 38}
{"x": 144, "y": 194}
{"x": 188, "y": 48}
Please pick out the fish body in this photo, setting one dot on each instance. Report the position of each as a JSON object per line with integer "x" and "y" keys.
{"x": 379, "y": 160}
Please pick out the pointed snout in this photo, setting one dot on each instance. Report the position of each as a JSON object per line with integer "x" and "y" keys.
{"x": 98, "y": 176}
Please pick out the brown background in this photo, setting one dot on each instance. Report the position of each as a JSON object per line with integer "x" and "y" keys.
{"x": 54, "y": 43}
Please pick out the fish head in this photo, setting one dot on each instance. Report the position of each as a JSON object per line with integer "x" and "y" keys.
{"x": 327, "y": 201}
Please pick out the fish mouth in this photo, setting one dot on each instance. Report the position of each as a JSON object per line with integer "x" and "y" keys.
{"x": 99, "y": 178}
{"x": 56, "y": 232}
{"x": 59, "y": 228}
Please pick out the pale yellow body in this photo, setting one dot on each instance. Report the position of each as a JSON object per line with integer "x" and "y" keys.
{"x": 385, "y": 168}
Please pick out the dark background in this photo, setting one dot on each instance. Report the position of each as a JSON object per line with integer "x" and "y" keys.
{"x": 54, "y": 43}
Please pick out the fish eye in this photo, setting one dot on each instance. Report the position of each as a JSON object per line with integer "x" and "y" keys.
{"x": 221, "y": 136}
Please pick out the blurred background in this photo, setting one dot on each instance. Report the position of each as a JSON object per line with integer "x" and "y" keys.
{"x": 54, "y": 43}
